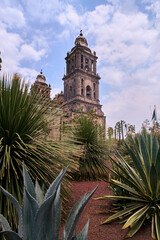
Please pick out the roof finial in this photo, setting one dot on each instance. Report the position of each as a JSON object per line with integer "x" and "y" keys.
{"x": 81, "y": 34}
{"x": 41, "y": 72}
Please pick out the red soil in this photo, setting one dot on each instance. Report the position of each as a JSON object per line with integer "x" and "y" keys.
{"x": 98, "y": 211}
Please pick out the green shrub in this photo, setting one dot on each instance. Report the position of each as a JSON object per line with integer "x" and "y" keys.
{"x": 40, "y": 218}
{"x": 142, "y": 187}
{"x": 90, "y": 136}
{"x": 24, "y": 127}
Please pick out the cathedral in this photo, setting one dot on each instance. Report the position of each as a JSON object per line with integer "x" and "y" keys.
{"x": 81, "y": 82}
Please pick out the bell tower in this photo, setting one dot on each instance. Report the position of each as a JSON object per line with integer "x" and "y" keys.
{"x": 81, "y": 81}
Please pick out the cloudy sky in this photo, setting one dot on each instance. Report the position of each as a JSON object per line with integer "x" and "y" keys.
{"x": 125, "y": 34}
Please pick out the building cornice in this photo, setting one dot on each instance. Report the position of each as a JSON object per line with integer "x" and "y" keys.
{"x": 78, "y": 70}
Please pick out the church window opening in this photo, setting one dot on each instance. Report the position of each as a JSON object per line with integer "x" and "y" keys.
{"x": 70, "y": 88}
{"x": 87, "y": 60}
{"x": 82, "y": 82}
{"x": 88, "y": 92}
{"x": 92, "y": 65}
{"x": 94, "y": 95}
{"x": 86, "y": 68}
{"x": 81, "y": 65}
{"x": 82, "y": 92}
{"x": 81, "y": 58}
{"x": 94, "y": 86}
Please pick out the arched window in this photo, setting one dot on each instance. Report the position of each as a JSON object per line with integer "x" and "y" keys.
{"x": 86, "y": 68}
{"x": 82, "y": 82}
{"x": 94, "y": 86}
{"x": 92, "y": 66}
{"x": 94, "y": 95}
{"x": 88, "y": 91}
{"x": 82, "y": 92}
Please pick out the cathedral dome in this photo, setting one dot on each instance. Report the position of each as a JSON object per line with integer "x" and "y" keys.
{"x": 80, "y": 40}
{"x": 41, "y": 78}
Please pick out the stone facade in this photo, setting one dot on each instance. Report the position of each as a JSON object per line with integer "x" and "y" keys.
{"x": 81, "y": 81}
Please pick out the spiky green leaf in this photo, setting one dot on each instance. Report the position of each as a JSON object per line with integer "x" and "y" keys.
{"x": 74, "y": 216}
{"x": 4, "y": 223}
{"x": 83, "y": 234}
{"x": 29, "y": 210}
{"x": 9, "y": 235}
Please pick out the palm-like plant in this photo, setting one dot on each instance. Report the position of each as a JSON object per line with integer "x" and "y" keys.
{"x": 24, "y": 122}
{"x": 142, "y": 184}
{"x": 91, "y": 138}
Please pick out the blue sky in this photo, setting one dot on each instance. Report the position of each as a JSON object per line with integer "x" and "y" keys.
{"x": 125, "y": 34}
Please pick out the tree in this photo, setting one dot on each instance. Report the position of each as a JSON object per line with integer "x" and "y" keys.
{"x": 110, "y": 132}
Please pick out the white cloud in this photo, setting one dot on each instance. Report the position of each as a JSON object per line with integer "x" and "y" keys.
{"x": 16, "y": 46}
{"x": 69, "y": 17}
{"x": 12, "y": 17}
{"x": 113, "y": 76}
{"x": 132, "y": 104}
{"x": 43, "y": 10}
{"x": 28, "y": 52}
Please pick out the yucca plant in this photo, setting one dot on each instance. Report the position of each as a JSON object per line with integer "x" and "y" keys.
{"x": 90, "y": 137}
{"x": 40, "y": 218}
{"x": 24, "y": 127}
{"x": 141, "y": 183}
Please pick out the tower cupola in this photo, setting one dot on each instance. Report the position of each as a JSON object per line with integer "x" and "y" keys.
{"x": 81, "y": 41}
{"x": 40, "y": 77}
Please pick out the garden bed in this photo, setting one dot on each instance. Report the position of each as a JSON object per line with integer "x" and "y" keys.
{"x": 98, "y": 211}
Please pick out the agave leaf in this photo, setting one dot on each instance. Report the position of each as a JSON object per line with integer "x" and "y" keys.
{"x": 124, "y": 186}
{"x": 138, "y": 165}
{"x": 154, "y": 234}
{"x": 136, "y": 216}
{"x": 17, "y": 207}
{"x": 155, "y": 147}
{"x": 127, "y": 169}
{"x": 136, "y": 226}
{"x": 123, "y": 212}
{"x": 84, "y": 232}
{"x": 55, "y": 184}
{"x": 157, "y": 224}
{"x": 4, "y": 223}
{"x": 9, "y": 235}
{"x": 39, "y": 192}
{"x": 29, "y": 209}
{"x": 129, "y": 175}
{"x": 153, "y": 180}
{"x": 47, "y": 221}
{"x": 146, "y": 159}
{"x": 121, "y": 198}
{"x": 74, "y": 216}
{"x": 28, "y": 184}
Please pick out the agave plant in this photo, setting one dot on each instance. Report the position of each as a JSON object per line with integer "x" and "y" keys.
{"x": 24, "y": 122}
{"x": 40, "y": 218}
{"x": 90, "y": 136}
{"x": 142, "y": 184}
